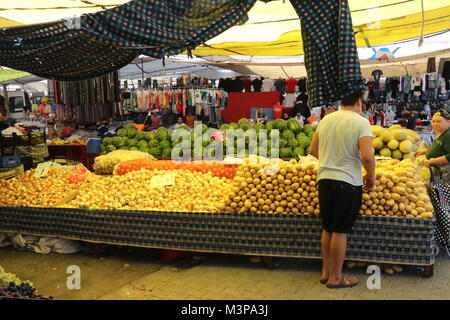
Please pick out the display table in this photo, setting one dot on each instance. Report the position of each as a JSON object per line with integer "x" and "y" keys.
{"x": 75, "y": 152}
{"x": 240, "y": 104}
{"x": 375, "y": 239}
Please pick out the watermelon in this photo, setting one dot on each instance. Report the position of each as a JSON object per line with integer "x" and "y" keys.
{"x": 279, "y": 124}
{"x": 285, "y": 153}
{"x": 156, "y": 152}
{"x": 132, "y": 133}
{"x": 287, "y": 134}
{"x": 122, "y": 132}
{"x": 299, "y": 152}
{"x": 167, "y": 153}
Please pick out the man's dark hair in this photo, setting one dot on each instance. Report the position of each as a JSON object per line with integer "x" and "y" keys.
{"x": 351, "y": 99}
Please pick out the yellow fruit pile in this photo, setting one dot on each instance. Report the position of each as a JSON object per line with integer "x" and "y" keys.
{"x": 192, "y": 192}
{"x": 290, "y": 190}
{"x": 400, "y": 192}
{"x": 28, "y": 191}
{"x": 395, "y": 142}
{"x": 105, "y": 164}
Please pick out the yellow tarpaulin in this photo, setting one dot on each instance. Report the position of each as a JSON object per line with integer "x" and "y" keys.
{"x": 10, "y": 74}
{"x": 396, "y": 23}
{"x": 4, "y": 23}
{"x": 273, "y": 28}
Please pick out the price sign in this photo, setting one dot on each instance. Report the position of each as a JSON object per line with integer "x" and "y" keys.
{"x": 163, "y": 180}
{"x": 43, "y": 168}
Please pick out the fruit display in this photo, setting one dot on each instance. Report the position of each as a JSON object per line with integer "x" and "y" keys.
{"x": 293, "y": 139}
{"x": 216, "y": 169}
{"x": 275, "y": 186}
{"x": 241, "y": 139}
{"x": 155, "y": 143}
{"x": 13, "y": 287}
{"x": 399, "y": 192}
{"x": 395, "y": 142}
{"x": 292, "y": 189}
{"x": 65, "y": 142}
{"x": 27, "y": 190}
{"x": 134, "y": 191}
{"x": 259, "y": 185}
{"x": 105, "y": 164}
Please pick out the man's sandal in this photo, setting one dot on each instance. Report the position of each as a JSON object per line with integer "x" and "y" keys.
{"x": 345, "y": 283}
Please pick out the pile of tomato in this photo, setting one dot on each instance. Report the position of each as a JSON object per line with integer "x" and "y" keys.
{"x": 217, "y": 169}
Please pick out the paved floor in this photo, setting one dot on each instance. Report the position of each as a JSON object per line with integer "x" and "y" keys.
{"x": 138, "y": 274}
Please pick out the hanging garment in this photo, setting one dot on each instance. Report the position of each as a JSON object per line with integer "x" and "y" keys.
{"x": 289, "y": 100}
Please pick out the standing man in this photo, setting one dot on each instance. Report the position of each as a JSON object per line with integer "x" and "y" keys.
{"x": 343, "y": 145}
{"x": 3, "y": 121}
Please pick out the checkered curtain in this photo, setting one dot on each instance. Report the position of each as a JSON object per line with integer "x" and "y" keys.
{"x": 112, "y": 38}
{"x": 166, "y": 27}
{"x": 331, "y": 55}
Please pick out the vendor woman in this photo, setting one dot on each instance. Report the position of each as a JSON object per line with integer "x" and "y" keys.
{"x": 439, "y": 151}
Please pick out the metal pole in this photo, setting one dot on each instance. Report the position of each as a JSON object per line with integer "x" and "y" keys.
{"x": 142, "y": 65}
{"x": 5, "y": 95}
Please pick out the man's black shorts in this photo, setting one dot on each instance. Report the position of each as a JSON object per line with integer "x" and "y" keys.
{"x": 340, "y": 203}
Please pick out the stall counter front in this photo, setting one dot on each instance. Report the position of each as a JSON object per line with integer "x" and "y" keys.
{"x": 375, "y": 239}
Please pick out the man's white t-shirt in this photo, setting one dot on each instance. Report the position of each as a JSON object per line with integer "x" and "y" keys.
{"x": 339, "y": 154}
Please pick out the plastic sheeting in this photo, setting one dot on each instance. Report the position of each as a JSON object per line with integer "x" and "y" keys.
{"x": 37, "y": 244}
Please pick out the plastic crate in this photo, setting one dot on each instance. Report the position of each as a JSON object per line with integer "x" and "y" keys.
{"x": 9, "y": 162}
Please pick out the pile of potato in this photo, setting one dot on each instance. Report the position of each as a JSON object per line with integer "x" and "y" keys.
{"x": 275, "y": 186}
{"x": 400, "y": 192}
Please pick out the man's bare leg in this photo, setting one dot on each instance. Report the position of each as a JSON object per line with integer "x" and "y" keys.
{"x": 338, "y": 249}
{"x": 326, "y": 242}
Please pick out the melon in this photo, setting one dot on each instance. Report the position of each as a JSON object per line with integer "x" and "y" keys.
{"x": 395, "y": 127}
{"x": 385, "y": 152}
{"x": 408, "y": 156}
{"x": 399, "y": 134}
{"x": 386, "y": 136}
{"x": 397, "y": 154}
{"x": 406, "y": 146}
{"x": 377, "y": 130}
{"x": 393, "y": 144}
{"x": 377, "y": 144}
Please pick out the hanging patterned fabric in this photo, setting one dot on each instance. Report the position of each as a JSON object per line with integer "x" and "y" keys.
{"x": 331, "y": 55}
{"x": 108, "y": 40}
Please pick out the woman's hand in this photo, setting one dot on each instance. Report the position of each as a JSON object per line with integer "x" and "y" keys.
{"x": 420, "y": 153}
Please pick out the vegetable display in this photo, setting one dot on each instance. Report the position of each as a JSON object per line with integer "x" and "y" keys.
{"x": 294, "y": 140}
{"x": 395, "y": 142}
{"x": 105, "y": 164}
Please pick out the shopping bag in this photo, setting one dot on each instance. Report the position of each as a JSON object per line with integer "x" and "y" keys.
{"x": 440, "y": 198}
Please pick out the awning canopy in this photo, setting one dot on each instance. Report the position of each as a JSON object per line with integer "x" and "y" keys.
{"x": 155, "y": 69}
{"x": 285, "y": 67}
{"x": 98, "y": 43}
{"x": 11, "y": 74}
{"x": 272, "y": 29}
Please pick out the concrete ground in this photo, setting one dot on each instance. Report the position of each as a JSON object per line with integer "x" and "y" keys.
{"x": 138, "y": 274}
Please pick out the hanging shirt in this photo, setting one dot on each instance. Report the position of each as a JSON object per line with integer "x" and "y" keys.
{"x": 289, "y": 100}
{"x": 291, "y": 85}
{"x": 248, "y": 85}
{"x": 280, "y": 86}
{"x": 302, "y": 84}
{"x": 257, "y": 85}
{"x": 268, "y": 85}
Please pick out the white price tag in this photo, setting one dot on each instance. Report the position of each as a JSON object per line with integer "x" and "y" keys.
{"x": 163, "y": 180}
